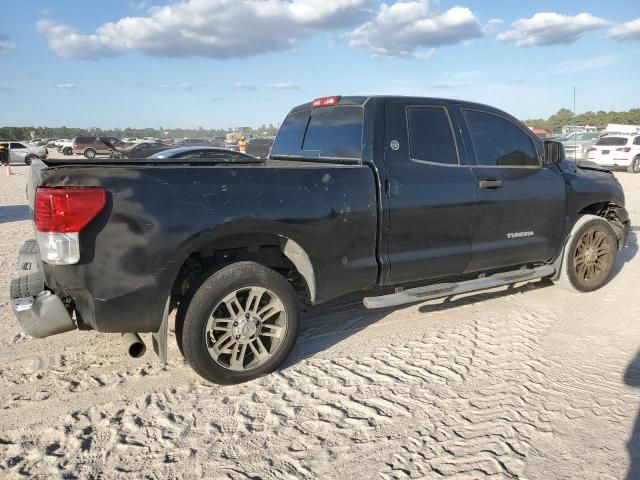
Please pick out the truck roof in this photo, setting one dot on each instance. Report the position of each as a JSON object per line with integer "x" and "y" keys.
{"x": 363, "y": 99}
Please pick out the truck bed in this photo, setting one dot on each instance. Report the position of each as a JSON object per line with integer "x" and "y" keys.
{"x": 158, "y": 213}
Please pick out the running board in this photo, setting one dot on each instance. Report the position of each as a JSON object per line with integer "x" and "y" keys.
{"x": 440, "y": 290}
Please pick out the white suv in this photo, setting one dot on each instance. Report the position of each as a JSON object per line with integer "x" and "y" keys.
{"x": 617, "y": 150}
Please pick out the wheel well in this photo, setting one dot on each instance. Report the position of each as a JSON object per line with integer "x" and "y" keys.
{"x": 608, "y": 211}
{"x": 278, "y": 253}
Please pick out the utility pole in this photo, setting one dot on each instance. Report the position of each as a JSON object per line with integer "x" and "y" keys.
{"x": 574, "y": 100}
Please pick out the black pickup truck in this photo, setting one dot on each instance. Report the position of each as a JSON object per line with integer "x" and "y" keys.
{"x": 401, "y": 199}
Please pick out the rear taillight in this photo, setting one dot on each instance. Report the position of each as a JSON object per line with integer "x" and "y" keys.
{"x": 60, "y": 214}
{"x": 623, "y": 149}
{"x": 325, "y": 102}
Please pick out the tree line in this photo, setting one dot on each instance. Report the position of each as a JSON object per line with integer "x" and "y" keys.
{"x": 27, "y": 133}
{"x": 552, "y": 124}
{"x": 600, "y": 119}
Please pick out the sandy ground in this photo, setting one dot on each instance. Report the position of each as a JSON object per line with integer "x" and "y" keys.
{"x": 530, "y": 382}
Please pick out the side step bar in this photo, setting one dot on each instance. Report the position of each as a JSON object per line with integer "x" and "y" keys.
{"x": 440, "y": 290}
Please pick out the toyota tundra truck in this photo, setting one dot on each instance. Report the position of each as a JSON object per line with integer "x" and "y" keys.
{"x": 394, "y": 199}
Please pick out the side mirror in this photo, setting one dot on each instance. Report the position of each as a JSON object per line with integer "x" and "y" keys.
{"x": 553, "y": 152}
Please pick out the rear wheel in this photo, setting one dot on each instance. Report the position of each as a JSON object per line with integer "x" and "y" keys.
{"x": 590, "y": 256}
{"x": 90, "y": 153}
{"x": 240, "y": 323}
{"x": 635, "y": 165}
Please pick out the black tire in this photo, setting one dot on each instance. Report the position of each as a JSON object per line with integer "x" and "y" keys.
{"x": 29, "y": 158}
{"x": 90, "y": 153}
{"x": 590, "y": 255}
{"x": 67, "y": 151}
{"x": 635, "y": 165}
{"x": 197, "y": 338}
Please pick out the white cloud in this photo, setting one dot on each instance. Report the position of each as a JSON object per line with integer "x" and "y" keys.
{"x": 411, "y": 29}
{"x": 246, "y": 86}
{"x": 450, "y": 84}
{"x": 208, "y": 28}
{"x": 179, "y": 87}
{"x": 549, "y": 28}
{"x": 285, "y": 86}
{"x": 67, "y": 86}
{"x": 492, "y": 25}
{"x": 585, "y": 64}
{"x": 5, "y": 45}
{"x": 626, "y": 31}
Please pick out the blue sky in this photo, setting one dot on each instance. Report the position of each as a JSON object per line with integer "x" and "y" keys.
{"x": 223, "y": 63}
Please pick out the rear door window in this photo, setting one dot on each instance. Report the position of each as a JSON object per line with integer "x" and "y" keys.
{"x": 612, "y": 141}
{"x": 431, "y": 136}
{"x": 499, "y": 142}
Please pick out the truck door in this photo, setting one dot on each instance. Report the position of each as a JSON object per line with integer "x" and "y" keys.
{"x": 431, "y": 193}
{"x": 521, "y": 202}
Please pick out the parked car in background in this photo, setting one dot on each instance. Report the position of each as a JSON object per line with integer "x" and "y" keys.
{"x": 577, "y": 144}
{"x": 201, "y": 152}
{"x": 58, "y": 142}
{"x": 92, "y": 146}
{"x": 66, "y": 147}
{"x": 21, "y": 153}
{"x": 188, "y": 142}
{"x": 617, "y": 151}
{"x": 140, "y": 150}
{"x": 259, "y": 147}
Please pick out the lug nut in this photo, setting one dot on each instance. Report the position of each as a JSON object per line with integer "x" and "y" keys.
{"x": 237, "y": 337}
{"x": 246, "y": 315}
{"x": 235, "y": 324}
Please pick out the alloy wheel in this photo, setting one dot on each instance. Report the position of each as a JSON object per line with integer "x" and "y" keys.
{"x": 246, "y": 328}
{"x": 593, "y": 257}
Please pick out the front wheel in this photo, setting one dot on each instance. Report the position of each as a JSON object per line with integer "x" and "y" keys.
{"x": 240, "y": 323}
{"x": 29, "y": 158}
{"x": 635, "y": 165}
{"x": 589, "y": 256}
{"x": 67, "y": 151}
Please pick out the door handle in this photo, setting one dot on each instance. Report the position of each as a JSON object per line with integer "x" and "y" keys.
{"x": 490, "y": 183}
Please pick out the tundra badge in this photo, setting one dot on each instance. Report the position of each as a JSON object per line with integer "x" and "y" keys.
{"x": 520, "y": 234}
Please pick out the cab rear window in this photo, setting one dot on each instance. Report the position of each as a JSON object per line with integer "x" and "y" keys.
{"x": 327, "y": 132}
{"x": 612, "y": 141}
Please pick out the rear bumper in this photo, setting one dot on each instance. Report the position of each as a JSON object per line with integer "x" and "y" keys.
{"x": 41, "y": 313}
{"x": 611, "y": 162}
{"x": 575, "y": 154}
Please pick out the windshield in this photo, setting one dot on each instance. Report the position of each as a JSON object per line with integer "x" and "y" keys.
{"x": 586, "y": 136}
{"x": 612, "y": 141}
